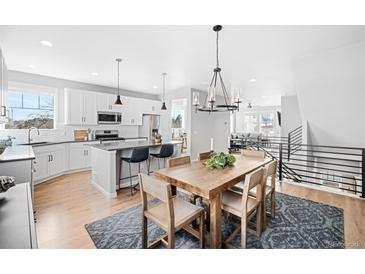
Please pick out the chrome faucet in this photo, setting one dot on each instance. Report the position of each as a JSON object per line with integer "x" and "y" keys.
{"x": 29, "y": 130}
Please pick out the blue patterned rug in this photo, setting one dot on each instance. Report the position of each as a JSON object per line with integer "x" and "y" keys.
{"x": 299, "y": 223}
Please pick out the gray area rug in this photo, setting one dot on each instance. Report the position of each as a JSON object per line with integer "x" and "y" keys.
{"x": 299, "y": 223}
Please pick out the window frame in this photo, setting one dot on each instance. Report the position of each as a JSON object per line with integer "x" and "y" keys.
{"x": 34, "y": 89}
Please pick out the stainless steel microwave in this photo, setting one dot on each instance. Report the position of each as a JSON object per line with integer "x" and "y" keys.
{"x": 109, "y": 117}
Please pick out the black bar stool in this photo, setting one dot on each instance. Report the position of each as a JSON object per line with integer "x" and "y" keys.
{"x": 166, "y": 151}
{"x": 138, "y": 155}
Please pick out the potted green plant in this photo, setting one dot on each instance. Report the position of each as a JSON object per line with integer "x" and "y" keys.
{"x": 220, "y": 160}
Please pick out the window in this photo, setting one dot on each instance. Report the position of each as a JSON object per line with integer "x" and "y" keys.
{"x": 251, "y": 123}
{"x": 259, "y": 121}
{"x": 178, "y": 119}
{"x": 30, "y": 109}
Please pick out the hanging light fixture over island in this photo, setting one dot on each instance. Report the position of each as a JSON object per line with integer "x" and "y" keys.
{"x": 163, "y": 91}
{"x": 217, "y": 89}
{"x": 118, "y": 101}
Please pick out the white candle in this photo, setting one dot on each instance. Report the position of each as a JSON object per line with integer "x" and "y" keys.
{"x": 211, "y": 144}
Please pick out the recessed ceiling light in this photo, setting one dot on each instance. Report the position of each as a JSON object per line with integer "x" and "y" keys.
{"x": 252, "y": 80}
{"x": 154, "y": 87}
{"x": 94, "y": 74}
{"x": 32, "y": 66}
{"x": 46, "y": 43}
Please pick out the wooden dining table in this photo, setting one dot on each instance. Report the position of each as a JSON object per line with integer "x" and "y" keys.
{"x": 210, "y": 184}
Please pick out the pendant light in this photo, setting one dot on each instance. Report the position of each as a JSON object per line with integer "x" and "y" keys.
{"x": 217, "y": 85}
{"x": 118, "y": 101}
{"x": 163, "y": 92}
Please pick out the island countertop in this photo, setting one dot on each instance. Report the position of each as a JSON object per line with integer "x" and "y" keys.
{"x": 17, "y": 153}
{"x": 122, "y": 145}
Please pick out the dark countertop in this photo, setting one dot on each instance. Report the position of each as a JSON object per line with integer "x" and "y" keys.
{"x": 17, "y": 153}
{"x": 122, "y": 145}
{"x": 39, "y": 144}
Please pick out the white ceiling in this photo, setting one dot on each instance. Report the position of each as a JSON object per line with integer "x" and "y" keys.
{"x": 186, "y": 53}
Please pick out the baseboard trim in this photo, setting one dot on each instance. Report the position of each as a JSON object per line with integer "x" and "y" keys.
{"x": 60, "y": 174}
{"x": 323, "y": 188}
{"x": 102, "y": 190}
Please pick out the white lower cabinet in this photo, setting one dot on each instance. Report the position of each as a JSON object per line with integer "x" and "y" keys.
{"x": 40, "y": 167}
{"x": 79, "y": 156}
{"x": 49, "y": 161}
{"x": 53, "y": 160}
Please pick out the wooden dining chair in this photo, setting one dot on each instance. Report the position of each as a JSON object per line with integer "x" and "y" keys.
{"x": 259, "y": 154}
{"x": 245, "y": 206}
{"x": 171, "y": 213}
{"x": 253, "y": 153}
{"x": 204, "y": 155}
{"x": 268, "y": 190}
{"x": 183, "y": 160}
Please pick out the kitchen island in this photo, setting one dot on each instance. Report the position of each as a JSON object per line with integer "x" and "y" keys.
{"x": 106, "y": 163}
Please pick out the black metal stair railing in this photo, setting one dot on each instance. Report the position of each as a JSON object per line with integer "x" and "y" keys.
{"x": 334, "y": 167}
{"x": 294, "y": 140}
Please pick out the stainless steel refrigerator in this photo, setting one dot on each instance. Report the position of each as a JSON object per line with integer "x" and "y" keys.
{"x": 150, "y": 126}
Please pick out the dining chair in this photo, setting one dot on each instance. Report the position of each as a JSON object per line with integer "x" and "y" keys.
{"x": 244, "y": 206}
{"x": 268, "y": 190}
{"x": 204, "y": 155}
{"x": 183, "y": 160}
{"x": 171, "y": 213}
{"x": 253, "y": 153}
{"x": 259, "y": 154}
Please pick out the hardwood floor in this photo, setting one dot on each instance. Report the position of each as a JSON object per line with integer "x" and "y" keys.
{"x": 65, "y": 204}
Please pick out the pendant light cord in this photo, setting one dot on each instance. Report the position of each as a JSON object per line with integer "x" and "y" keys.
{"x": 118, "y": 77}
{"x": 163, "y": 83}
{"x": 217, "y": 50}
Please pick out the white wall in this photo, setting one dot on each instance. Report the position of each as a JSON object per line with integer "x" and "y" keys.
{"x": 182, "y": 93}
{"x": 205, "y": 126}
{"x": 290, "y": 114}
{"x": 62, "y": 131}
{"x": 331, "y": 95}
{"x": 36, "y": 79}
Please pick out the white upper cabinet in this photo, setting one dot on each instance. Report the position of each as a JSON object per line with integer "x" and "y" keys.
{"x": 90, "y": 113}
{"x": 81, "y": 107}
{"x": 105, "y": 102}
{"x": 151, "y": 106}
{"x": 131, "y": 111}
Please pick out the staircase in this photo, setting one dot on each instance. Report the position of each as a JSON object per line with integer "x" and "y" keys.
{"x": 329, "y": 167}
